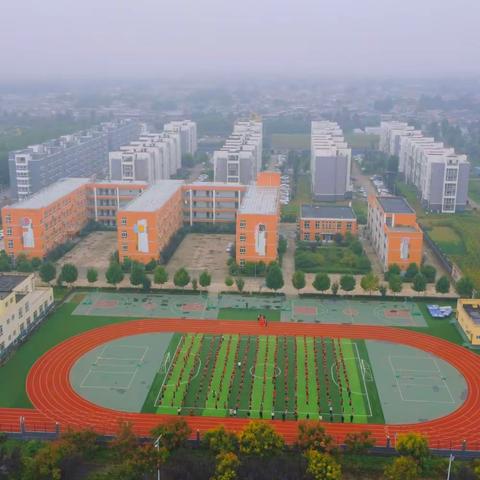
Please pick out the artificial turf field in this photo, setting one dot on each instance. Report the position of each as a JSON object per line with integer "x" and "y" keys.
{"x": 266, "y": 377}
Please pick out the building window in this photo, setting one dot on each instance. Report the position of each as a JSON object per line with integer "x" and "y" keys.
{"x": 10, "y": 244}
{"x": 243, "y": 223}
{"x": 8, "y": 219}
{"x": 9, "y": 231}
{"x": 124, "y": 221}
{"x": 124, "y": 247}
{"x": 349, "y": 226}
{"x": 242, "y": 250}
{"x": 124, "y": 234}
{"x": 450, "y": 189}
{"x": 242, "y": 238}
{"x": 306, "y": 225}
{"x": 451, "y": 175}
{"x": 317, "y": 225}
{"x": 306, "y": 236}
{"x": 242, "y": 263}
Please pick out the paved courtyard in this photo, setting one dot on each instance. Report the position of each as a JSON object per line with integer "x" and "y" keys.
{"x": 199, "y": 251}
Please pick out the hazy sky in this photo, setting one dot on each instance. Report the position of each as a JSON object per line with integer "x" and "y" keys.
{"x": 145, "y": 38}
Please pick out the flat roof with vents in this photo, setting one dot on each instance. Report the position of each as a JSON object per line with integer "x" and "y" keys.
{"x": 260, "y": 200}
{"x": 395, "y": 205}
{"x": 154, "y": 197}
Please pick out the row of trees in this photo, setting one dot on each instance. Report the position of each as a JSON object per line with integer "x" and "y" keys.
{"x": 369, "y": 283}
{"x": 225, "y": 455}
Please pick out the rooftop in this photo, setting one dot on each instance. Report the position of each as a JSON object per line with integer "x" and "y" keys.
{"x": 260, "y": 200}
{"x": 327, "y": 211}
{"x": 395, "y": 205}
{"x": 154, "y": 197}
{"x": 473, "y": 312}
{"x": 9, "y": 282}
{"x": 52, "y": 193}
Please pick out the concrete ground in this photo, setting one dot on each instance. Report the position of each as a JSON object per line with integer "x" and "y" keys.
{"x": 92, "y": 251}
{"x": 200, "y": 251}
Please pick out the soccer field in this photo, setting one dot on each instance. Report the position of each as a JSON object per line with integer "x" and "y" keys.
{"x": 266, "y": 376}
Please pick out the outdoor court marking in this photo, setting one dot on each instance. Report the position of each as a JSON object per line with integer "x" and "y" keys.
{"x": 358, "y": 359}
{"x": 433, "y": 375}
{"x": 92, "y": 372}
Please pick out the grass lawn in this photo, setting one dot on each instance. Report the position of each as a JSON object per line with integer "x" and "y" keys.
{"x": 261, "y": 374}
{"x": 57, "y": 327}
{"x": 291, "y": 141}
{"x": 360, "y": 207}
{"x": 303, "y": 194}
{"x": 447, "y": 239}
{"x": 474, "y": 189}
{"x": 248, "y": 314}
{"x": 359, "y": 140}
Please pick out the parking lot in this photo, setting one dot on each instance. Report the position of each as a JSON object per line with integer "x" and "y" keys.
{"x": 199, "y": 251}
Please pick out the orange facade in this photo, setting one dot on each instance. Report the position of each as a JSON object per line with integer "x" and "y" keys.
{"x": 257, "y": 221}
{"x": 34, "y": 229}
{"x": 143, "y": 232}
{"x": 394, "y": 231}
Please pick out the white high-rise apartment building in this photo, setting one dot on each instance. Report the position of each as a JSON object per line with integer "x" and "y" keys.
{"x": 240, "y": 159}
{"x": 330, "y": 162}
{"x": 188, "y": 134}
{"x": 439, "y": 174}
{"x": 154, "y": 156}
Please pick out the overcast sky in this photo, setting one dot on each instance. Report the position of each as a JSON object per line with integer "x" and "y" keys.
{"x": 148, "y": 38}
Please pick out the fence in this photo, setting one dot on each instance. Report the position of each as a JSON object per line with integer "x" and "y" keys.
{"x": 441, "y": 257}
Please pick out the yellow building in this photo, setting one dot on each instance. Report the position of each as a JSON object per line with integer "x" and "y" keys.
{"x": 468, "y": 317}
{"x": 22, "y": 306}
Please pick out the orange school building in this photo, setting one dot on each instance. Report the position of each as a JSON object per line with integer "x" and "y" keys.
{"x": 146, "y": 225}
{"x": 319, "y": 223}
{"x": 257, "y": 221}
{"x": 47, "y": 219}
{"x": 394, "y": 231}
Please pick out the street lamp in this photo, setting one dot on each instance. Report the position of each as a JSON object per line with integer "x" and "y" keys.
{"x": 156, "y": 444}
{"x": 450, "y": 460}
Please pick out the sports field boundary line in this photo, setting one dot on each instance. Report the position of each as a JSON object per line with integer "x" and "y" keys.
{"x": 359, "y": 360}
{"x": 168, "y": 371}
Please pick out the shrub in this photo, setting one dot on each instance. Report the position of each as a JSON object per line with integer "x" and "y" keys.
{"x": 181, "y": 278}
{"x": 92, "y": 275}
{"x": 322, "y": 466}
{"x": 347, "y": 282}
{"x": 321, "y": 282}
{"x": 48, "y": 271}
{"x": 359, "y": 442}
{"x": 220, "y": 440}
{"x": 429, "y": 272}
{"x": 313, "y": 436}
{"x": 402, "y": 468}
{"x": 228, "y": 281}
{"x": 442, "y": 285}
{"x": 260, "y": 439}
{"x": 465, "y": 287}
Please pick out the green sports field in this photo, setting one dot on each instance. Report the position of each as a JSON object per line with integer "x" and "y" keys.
{"x": 264, "y": 376}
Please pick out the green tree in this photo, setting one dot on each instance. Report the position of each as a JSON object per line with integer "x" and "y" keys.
{"x": 322, "y": 466}
{"x": 160, "y": 275}
{"x": 181, "y": 278}
{"x": 92, "y": 275}
{"x": 410, "y": 272}
{"x": 228, "y": 281}
{"x": 282, "y": 245}
{"x": 321, "y": 282}
{"x": 369, "y": 283}
{"x": 465, "y": 287}
{"x": 274, "y": 278}
{"x": 137, "y": 273}
{"x": 146, "y": 283}
{"x": 395, "y": 283}
{"x": 442, "y": 285}
{"x": 419, "y": 283}
{"x": 260, "y": 439}
{"x": 429, "y": 272}
{"x": 194, "y": 284}
{"x": 36, "y": 263}
{"x": 69, "y": 273}
{"x": 335, "y": 288}
{"x": 23, "y": 264}
{"x": 413, "y": 445}
{"x": 125, "y": 440}
{"x": 173, "y": 433}
{"x": 359, "y": 442}
{"x": 220, "y": 440}
{"x": 402, "y": 468}
{"x": 313, "y": 436}
{"x": 240, "y": 283}
{"x": 298, "y": 280}
{"x": 48, "y": 272}
{"x": 5, "y": 262}
{"x": 226, "y": 467}
{"x": 393, "y": 269}
{"x": 114, "y": 274}
{"x": 205, "y": 279}
{"x": 383, "y": 290}
{"x": 347, "y": 283}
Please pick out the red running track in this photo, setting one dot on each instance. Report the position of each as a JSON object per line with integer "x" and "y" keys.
{"x": 50, "y": 391}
